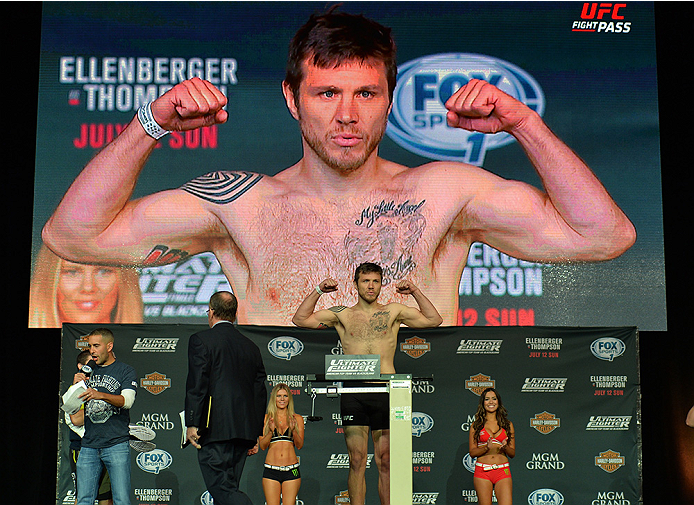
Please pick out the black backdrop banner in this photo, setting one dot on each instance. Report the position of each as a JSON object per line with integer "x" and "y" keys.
{"x": 573, "y": 395}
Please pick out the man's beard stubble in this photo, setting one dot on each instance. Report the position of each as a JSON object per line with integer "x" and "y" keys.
{"x": 343, "y": 163}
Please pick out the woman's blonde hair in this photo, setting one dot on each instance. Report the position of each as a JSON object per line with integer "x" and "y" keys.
{"x": 43, "y": 294}
{"x": 272, "y": 404}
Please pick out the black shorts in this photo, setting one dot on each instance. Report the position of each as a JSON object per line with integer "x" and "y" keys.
{"x": 281, "y": 475}
{"x": 365, "y": 409}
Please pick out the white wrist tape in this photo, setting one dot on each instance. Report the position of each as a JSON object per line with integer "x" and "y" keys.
{"x": 146, "y": 118}
{"x": 318, "y": 290}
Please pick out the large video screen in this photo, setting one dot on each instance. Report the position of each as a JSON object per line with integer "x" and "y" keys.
{"x": 237, "y": 205}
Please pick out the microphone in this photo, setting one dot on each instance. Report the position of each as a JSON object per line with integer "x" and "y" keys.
{"x": 88, "y": 367}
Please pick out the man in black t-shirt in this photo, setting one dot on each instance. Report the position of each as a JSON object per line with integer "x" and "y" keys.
{"x": 109, "y": 396}
{"x": 76, "y": 424}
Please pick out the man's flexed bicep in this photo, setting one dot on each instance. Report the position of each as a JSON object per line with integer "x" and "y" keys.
{"x": 96, "y": 212}
{"x": 426, "y": 317}
{"x": 154, "y": 230}
{"x": 307, "y": 316}
{"x": 523, "y": 222}
{"x": 575, "y": 218}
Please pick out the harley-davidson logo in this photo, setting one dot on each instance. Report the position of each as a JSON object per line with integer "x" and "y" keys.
{"x": 82, "y": 344}
{"x": 610, "y": 460}
{"x": 342, "y": 498}
{"x": 545, "y": 422}
{"x": 478, "y": 383}
{"x": 155, "y": 382}
{"x": 415, "y": 347}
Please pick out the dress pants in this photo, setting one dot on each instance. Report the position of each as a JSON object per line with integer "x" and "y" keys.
{"x": 221, "y": 465}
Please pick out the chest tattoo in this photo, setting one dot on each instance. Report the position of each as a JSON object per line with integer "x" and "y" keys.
{"x": 379, "y": 321}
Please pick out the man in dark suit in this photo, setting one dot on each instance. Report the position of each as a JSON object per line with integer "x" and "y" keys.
{"x": 225, "y": 400}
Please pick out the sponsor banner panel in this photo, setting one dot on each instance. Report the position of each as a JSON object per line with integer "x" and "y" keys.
{"x": 575, "y": 413}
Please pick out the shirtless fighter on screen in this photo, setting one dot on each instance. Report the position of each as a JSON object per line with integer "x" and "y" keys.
{"x": 340, "y": 204}
{"x": 368, "y": 327}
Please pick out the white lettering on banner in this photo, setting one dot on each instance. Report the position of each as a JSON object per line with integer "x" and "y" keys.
{"x": 466, "y": 425}
{"x": 182, "y": 289}
{"x": 470, "y": 496}
{"x": 422, "y": 386}
{"x": 544, "y": 385}
{"x": 153, "y": 494}
{"x": 545, "y": 461}
{"x": 479, "y": 347}
{"x": 610, "y": 498}
{"x": 342, "y": 460}
{"x": 155, "y": 344}
{"x": 156, "y": 421}
{"x": 424, "y": 498}
{"x": 608, "y": 423}
{"x": 124, "y": 84}
{"x": 142, "y": 70}
{"x": 423, "y": 458}
{"x": 544, "y": 344}
{"x": 290, "y": 380}
{"x": 493, "y": 272}
{"x": 609, "y": 381}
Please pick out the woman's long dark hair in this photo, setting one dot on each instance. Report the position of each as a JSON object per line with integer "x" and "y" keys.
{"x": 481, "y": 415}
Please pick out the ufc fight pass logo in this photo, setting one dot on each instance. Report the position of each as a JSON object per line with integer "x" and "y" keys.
{"x": 602, "y": 17}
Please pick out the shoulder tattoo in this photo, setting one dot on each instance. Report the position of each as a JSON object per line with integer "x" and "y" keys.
{"x": 221, "y": 187}
{"x": 337, "y": 308}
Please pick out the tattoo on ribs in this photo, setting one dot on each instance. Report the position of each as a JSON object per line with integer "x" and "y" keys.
{"x": 221, "y": 187}
{"x": 162, "y": 255}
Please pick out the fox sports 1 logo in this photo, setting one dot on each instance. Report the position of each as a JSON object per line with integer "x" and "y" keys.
{"x": 285, "y": 347}
{"x": 418, "y": 119}
{"x": 607, "y": 348}
{"x": 545, "y": 497}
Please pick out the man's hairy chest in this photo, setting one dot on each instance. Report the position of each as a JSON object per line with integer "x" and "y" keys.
{"x": 289, "y": 244}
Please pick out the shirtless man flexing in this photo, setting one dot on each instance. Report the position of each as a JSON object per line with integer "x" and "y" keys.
{"x": 368, "y": 327}
{"x": 340, "y": 204}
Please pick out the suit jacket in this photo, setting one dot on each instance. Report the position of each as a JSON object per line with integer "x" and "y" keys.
{"x": 226, "y": 366}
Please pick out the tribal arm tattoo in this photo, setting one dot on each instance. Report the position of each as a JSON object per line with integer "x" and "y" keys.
{"x": 221, "y": 187}
{"x": 336, "y": 309}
